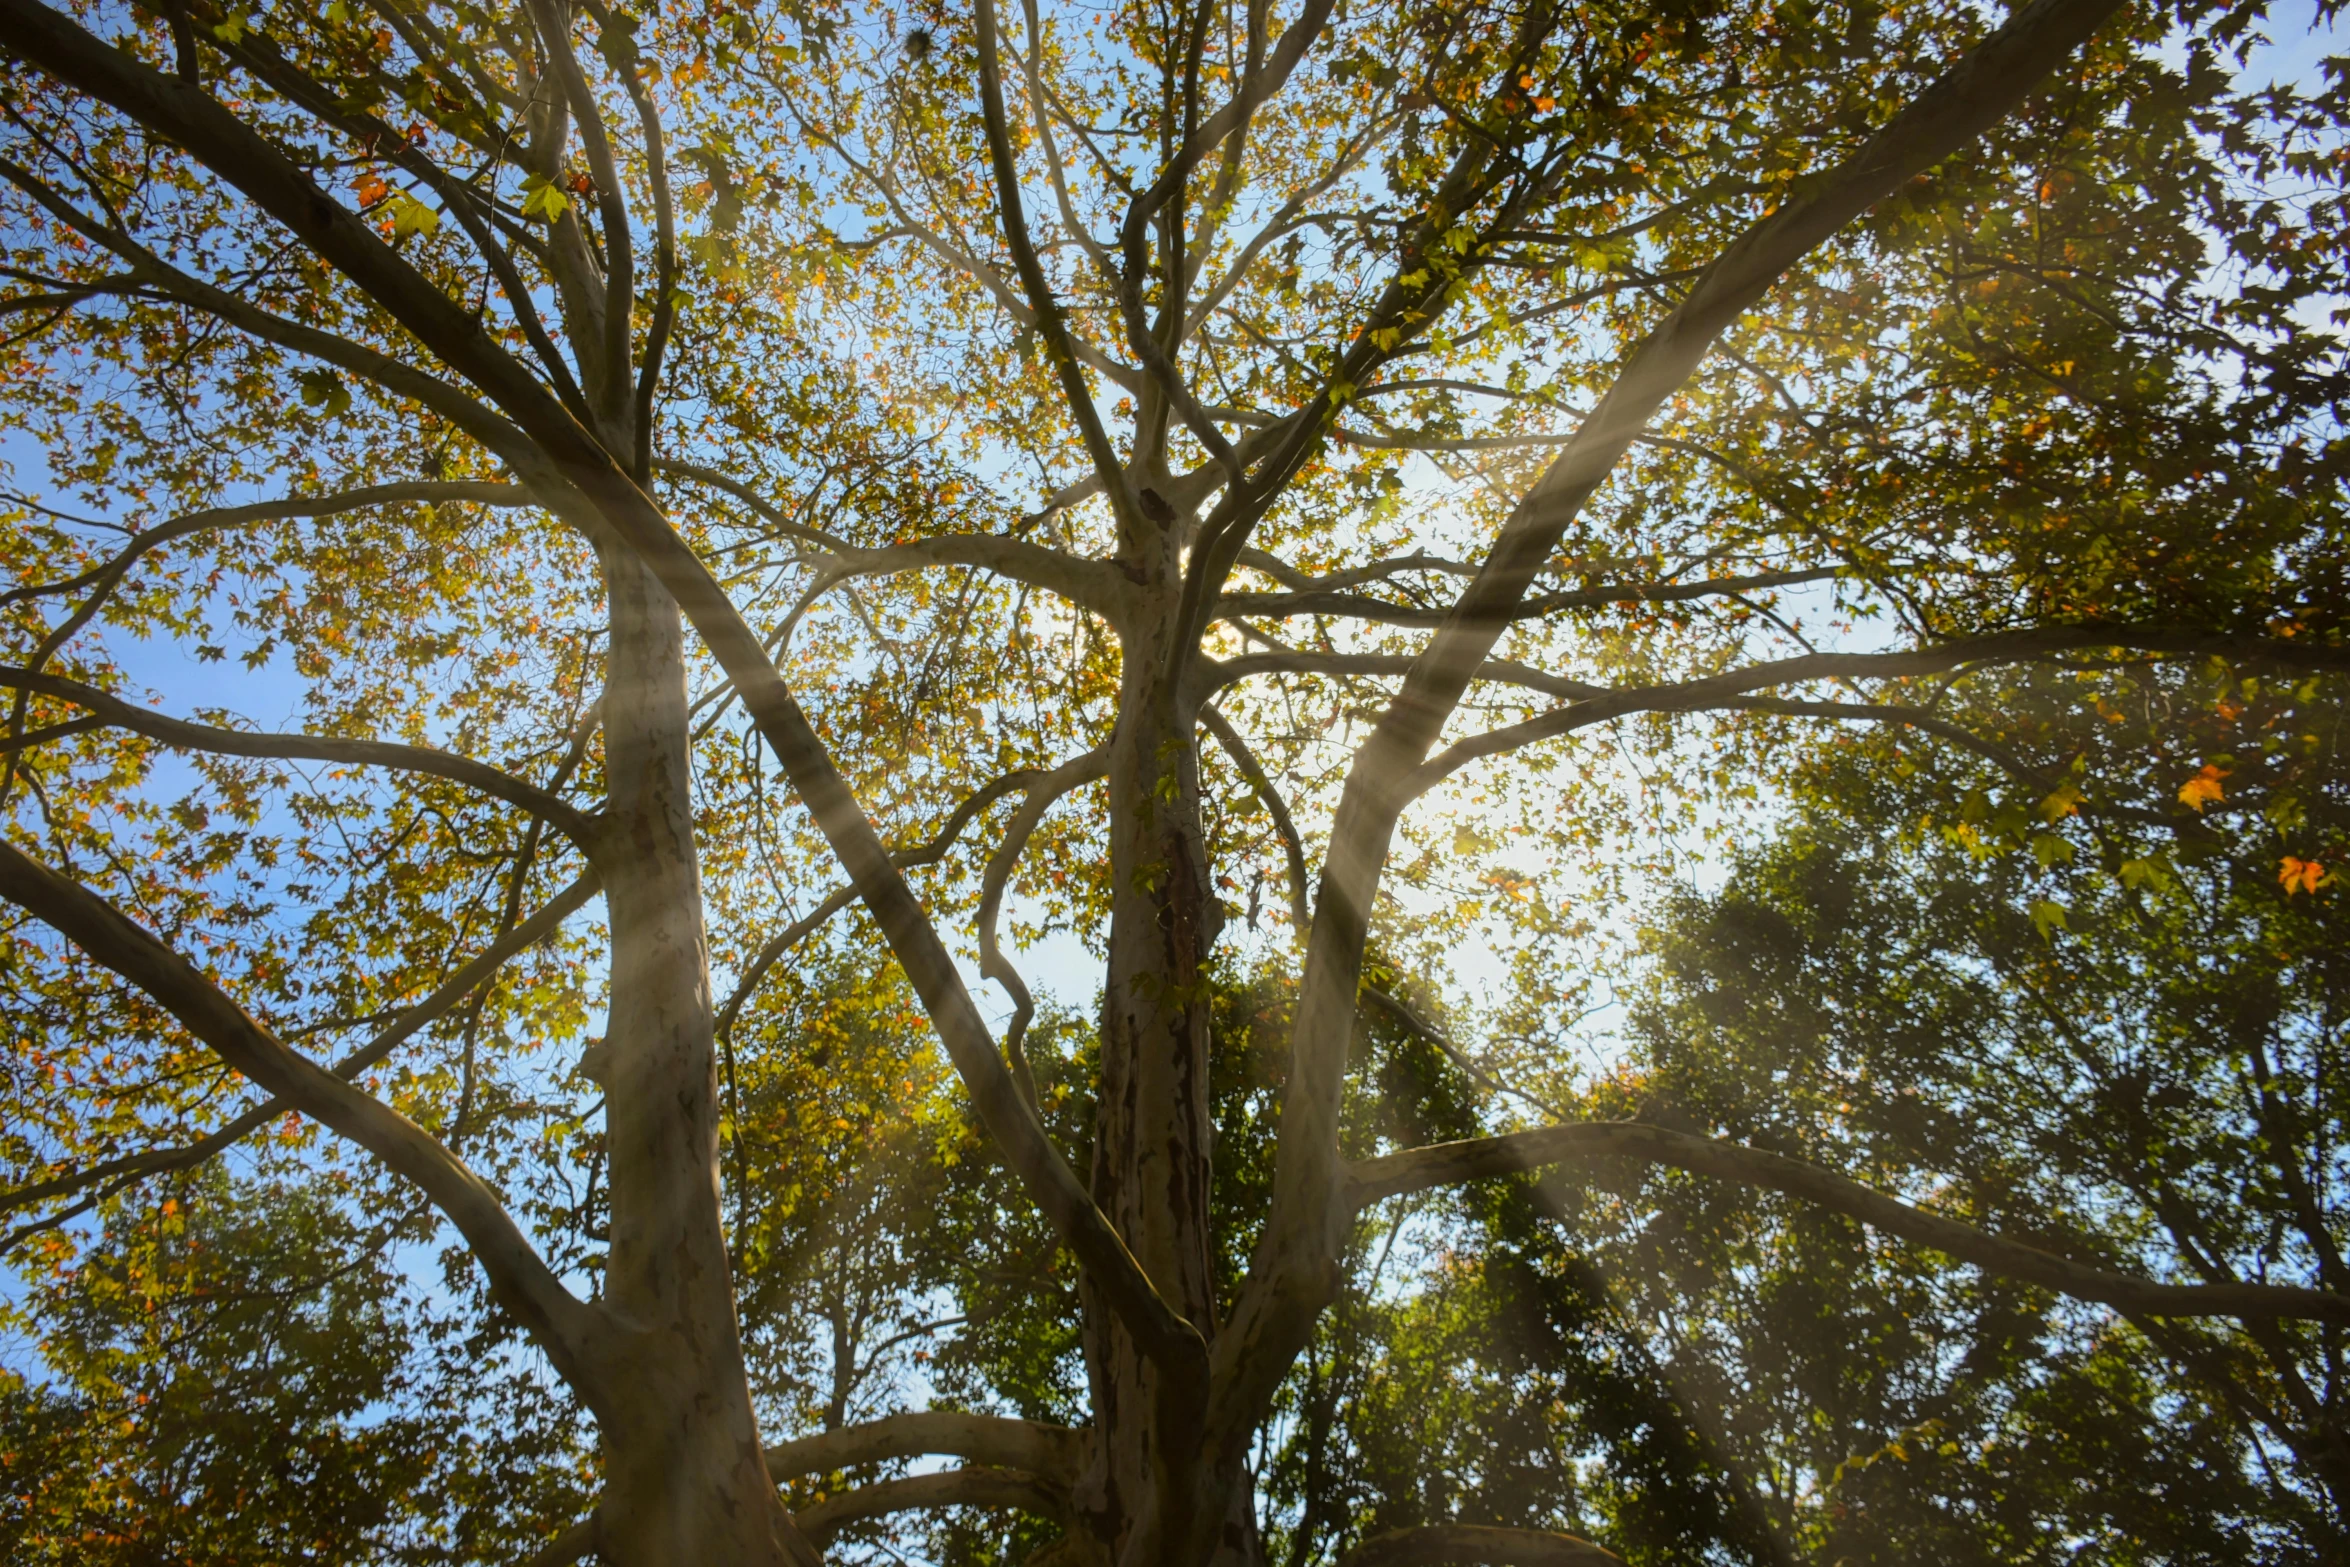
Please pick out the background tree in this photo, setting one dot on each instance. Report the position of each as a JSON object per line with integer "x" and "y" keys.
{"x": 1485, "y": 389}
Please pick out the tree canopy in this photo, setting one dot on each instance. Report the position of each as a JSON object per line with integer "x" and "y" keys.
{"x": 1181, "y": 783}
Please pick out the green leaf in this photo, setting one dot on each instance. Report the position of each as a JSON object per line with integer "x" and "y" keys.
{"x": 410, "y": 216}
{"x": 324, "y": 390}
{"x": 543, "y": 198}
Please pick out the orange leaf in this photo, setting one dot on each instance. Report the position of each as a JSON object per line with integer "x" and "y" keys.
{"x": 2200, "y": 790}
{"x": 2301, "y": 875}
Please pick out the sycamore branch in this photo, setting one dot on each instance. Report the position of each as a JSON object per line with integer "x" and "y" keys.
{"x": 10, "y": 744}
{"x": 397, "y": 376}
{"x": 1095, "y": 585}
{"x": 1494, "y": 671}
{"x": 1431, "y": 1544}
{"x": 1042, "y": 792}
{"x": 583, "y": 1539}
{"x": 102, "y": 576}
{"x": 119, "y": 1173}
{"x": 767, "y": 510}
{"x": 1305, "y": 1229}
{"x": 1481, "y": 1158}
{"x": 1289, "y": 576}
{"x": 558, "y": 813}
{"x": 1730, "y": 688}
{"x": 1255, "y": 89}
{"x": 572, "y": 1332}
{"x": 1052, "y": 1453}
{"x": 971, "y": 1486}
{"x": 1292, "y": 846}
{"x": 929, "y": 853}
{"x": 1422, "y": 1028}
{"x": 1051, "y": 320}
{"x": 476, "y": 212}
{"x": 1359, "y": 606}
{"x": 619, "y": 283}
{"x": 570, "y": 458}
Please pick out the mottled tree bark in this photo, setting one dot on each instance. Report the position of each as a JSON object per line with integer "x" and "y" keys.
{"x": 684, "y": 1479}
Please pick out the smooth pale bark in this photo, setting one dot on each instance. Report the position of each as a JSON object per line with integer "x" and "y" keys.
{"x": 974, "y": 1486}
{"x": 1464, "y": 1544}
{"x": 684, "y": 1477}
{"x": 1053, "y": 1453}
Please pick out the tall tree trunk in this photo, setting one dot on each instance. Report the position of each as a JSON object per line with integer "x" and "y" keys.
{"x": 685, "y": 1479}
{"x": 1148, "y": 1492}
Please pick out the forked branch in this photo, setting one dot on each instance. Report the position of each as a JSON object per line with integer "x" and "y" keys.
{"x": 1480, "y": 1158}
{"x": 558, "y": 813}
{"x": 117, "y": 1173}
{"x": 560, "y": 447}
{"x": 571, "y": 1331}
{"x": 1042, "y": 792}
{"x": 1304, "y": 1233}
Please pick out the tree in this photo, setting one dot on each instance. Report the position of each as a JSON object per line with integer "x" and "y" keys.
{"x": 1537, "y": 362}
{"x": 2116, "y": 1028}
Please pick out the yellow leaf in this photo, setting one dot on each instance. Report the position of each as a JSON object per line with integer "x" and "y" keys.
{"x": 2202, "y": 789}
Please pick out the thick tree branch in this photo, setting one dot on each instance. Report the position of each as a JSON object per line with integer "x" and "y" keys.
{"x": 1359, "y": 606}
{"x": 928, "y": 853}
{"x": 397, "y": 376}
{"x": 117, "y": 1173}
{"x": 1052, "y": 1453}
{"x": 558, "y": 813}
{"x": 141, "y": 544}
{"x": 581, "y": 1540}
{"x": 1090, "y": 584}
{"x": 281, "y": 188}
{"x": 619, "y": 291}
{"x": 1051, "y": 323}
{"x": 577, "y": 462}
{"x": 1430, "y": 1545}
{"x": 573, "y": 1333}
{"x": 1255, "y": 88}
{"x": 1297, "y": 1269}
{"x": 1481, "y": 1158}
{"x": 1290, "y": 577}
{"x": 10, "y": 744}
{"x": 972, "y": 1486}
{"x": 1728, "y": 689}
{"x": 1494, "y": 671}
{"x": 1095, "y": 585}
{"x": 1042, "y": 792}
